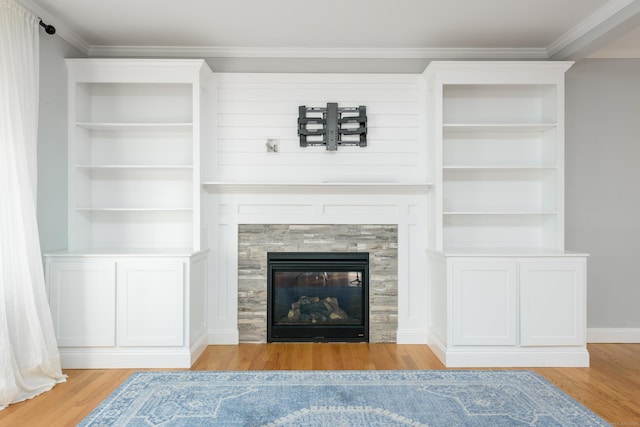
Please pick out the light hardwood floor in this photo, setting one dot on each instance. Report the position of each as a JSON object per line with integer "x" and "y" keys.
{"x": 610, "y": 387}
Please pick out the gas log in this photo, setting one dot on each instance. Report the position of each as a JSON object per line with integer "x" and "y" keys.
{"x": 317, "y": 310}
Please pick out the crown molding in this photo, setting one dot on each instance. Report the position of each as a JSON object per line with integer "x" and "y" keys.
{"x": 321, "y": 53}
{"x": 72, "y": 38}
{"x": 590, "y": 29}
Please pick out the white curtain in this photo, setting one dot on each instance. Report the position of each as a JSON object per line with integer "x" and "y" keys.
{"x": 29, "y": 359}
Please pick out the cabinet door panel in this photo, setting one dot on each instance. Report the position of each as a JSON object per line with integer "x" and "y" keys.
{"x": 484, "y": 303}
{"x": 552, "y": 303}
{"x": 151, "y": 304}
{"x": 82, "y": 297}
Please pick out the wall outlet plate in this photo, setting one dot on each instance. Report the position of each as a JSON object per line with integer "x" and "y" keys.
{"x": 273, "y": 145}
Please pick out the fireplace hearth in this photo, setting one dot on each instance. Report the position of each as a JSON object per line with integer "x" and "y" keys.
{"x": 317, "y": 296}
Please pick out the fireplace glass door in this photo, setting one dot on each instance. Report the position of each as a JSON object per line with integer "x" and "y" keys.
{"x": 318, "y": 296}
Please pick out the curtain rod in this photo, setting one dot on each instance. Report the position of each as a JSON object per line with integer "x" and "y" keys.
{"x": 49, "y": 29}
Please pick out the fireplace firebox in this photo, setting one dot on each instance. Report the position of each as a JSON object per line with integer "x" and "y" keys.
{"x": 317, "y": 296}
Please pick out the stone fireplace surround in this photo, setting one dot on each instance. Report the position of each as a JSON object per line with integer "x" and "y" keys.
{"x": 379, "y": 240}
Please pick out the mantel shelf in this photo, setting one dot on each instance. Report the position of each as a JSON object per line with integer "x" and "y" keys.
{"x": 123, "y": 209}
{"x": 472, "y": 168}
{"x": 140, "y": 126}
{"x": 491, "y": 213}
{"x": 497, "y": 127}
{"x": 134, "y": 167}
{"x": 507, "y": 252}
{"x": 318, "y": 187}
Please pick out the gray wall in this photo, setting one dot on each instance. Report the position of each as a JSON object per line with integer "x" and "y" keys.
{"x": 52, "y": 142}
{"x": 603, "y": 185}
{"x": 602, "y": 173}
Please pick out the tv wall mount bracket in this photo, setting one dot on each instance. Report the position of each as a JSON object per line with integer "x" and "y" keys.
{"x": 332, "y": 126}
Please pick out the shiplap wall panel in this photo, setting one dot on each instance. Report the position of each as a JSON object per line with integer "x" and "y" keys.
{"x": 285, "y": 120}
{"x": 254, "y": 107}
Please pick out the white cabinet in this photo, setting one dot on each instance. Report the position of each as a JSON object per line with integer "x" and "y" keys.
{"x": 128, "y": 311}
{"x": 552, "y": 303}
{"x": 150, "y": 303}
{"x": 503, "y": 290}
{"x": 144, "y": 300}
{"x": 130, "y": 290}
{"x": 82, "y": 296}
{"x": 484, "y": 303}
{"x": 509, "y": 310}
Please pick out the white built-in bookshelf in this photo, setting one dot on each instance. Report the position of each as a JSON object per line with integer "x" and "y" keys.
{"x": 496, "y": 131}
{"x": 135, "y": 133}
{"x": 503, "y": 290}
{"x": 130, "y": 289}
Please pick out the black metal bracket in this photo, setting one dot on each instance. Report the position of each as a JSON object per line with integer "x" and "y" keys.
{"x": 327, "y": 126}
{"x": 49, "y": 29}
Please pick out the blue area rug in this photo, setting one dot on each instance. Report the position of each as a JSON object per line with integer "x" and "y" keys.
{"x": 340, "y": 398}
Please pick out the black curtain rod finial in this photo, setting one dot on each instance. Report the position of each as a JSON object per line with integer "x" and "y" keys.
{"x": 49, "y": 29}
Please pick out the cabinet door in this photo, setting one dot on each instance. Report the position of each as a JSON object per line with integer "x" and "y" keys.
{"x": 484, "y": 303}
{"x": 82, "y": 295}
{"x": 552, "y": 303}
{"x": 151, "y": 303}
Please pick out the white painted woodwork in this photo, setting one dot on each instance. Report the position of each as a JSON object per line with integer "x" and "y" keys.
{"x": 496, "y": 156}
{"x": 556, "y": 320}
{"x": 131, "y": 310}
{"x": 254, "y": 107}
{"x": 314, "y": 204}
{"x": 150, "y": 304}
{"x": 508, "y": 310}
{"x": 484, "y": 303}
{"x": 384, "y": 183}
{"x": 496, "y": 152}
{"x": 82, "y": 296}
{"x": 136, "y": 127}
{"x": 467, "y": 159}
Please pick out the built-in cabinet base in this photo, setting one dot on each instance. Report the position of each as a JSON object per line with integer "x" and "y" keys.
{"x": 509, "y": 357}
{"x": 131, "y": 358}
{"x": 508, "y": 310}
{"x": 128, "y": 310}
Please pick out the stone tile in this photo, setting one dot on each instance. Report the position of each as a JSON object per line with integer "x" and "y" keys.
{"x": 255, "y": 240}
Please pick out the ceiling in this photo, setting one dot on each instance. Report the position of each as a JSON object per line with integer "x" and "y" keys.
{"x": 442, "y": 29}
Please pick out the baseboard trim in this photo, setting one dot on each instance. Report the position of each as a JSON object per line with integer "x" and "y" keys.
{"x": 91, "y": 358}
{"x": 198, "y": 346}
{"x": 224, "y": 336}
{"x": 613, "y": 335}
{"x": 557, "y": 358}
{"x": 411, "y": 336}
{"x": 438, "y": 348}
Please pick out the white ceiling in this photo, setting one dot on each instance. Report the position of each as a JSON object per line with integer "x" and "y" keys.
{"x": 495, "y": 29}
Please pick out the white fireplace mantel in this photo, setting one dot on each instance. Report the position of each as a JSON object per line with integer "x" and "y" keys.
{"x": 401, "y": 204}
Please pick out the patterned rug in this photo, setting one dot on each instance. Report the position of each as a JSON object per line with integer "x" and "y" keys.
{"x": 340, "y": 398}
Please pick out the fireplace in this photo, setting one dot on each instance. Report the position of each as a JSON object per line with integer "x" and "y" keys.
{"x": 317, "y": 296}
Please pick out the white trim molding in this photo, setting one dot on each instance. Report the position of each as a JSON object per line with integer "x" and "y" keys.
{"x": 228, "y": 210}
{"x": 319, "y": 53}
{"x": 588, "y": 25}
{"x": 613, "y": 335}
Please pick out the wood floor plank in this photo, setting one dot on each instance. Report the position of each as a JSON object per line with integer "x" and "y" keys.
{"x": 610, "y": 387}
